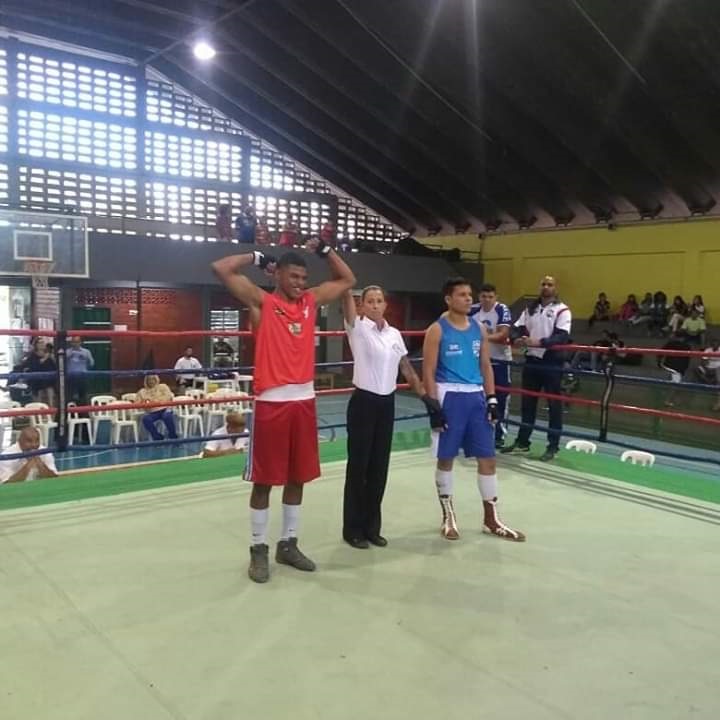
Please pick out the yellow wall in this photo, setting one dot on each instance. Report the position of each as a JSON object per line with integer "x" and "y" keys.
{"x": 678, "y": 258}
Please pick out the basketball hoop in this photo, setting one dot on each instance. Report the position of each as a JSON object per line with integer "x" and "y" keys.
{"x": 39, "y": 271}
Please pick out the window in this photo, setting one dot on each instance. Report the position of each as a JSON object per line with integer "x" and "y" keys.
{"x": 273, "y": 171}
{"x": 3, "y": 129}
{"x": 169, "y": 105}
{"x": 3, "y": 184}
{"x": 188, "y": 205}
{"x": 86, "y": 193}
{"x": 76, "y": 85}
{"x": 61, "y": 137}
{"x": 356, "y": 224}
{"x": 309, "y": 216}
{"x": 3, "y": 72}
{"x": 192, "y": 157}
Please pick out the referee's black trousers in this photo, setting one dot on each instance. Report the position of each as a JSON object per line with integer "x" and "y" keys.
{"x": 537, "y": 376}
{"x": 370, "y": 419}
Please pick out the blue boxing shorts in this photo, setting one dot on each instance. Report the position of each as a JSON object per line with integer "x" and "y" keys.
{"x": 468, "y": 427}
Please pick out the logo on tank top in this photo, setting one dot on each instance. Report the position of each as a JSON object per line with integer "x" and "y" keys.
{"x": 295, "y": 328}
{"x": 476, "y": 348}
{"x": 453, "y": 349}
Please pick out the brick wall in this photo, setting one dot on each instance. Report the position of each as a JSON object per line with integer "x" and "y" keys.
{"x": 161, "y": 309}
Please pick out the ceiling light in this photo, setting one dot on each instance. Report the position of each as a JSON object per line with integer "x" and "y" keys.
{"x": 203, "y": 50}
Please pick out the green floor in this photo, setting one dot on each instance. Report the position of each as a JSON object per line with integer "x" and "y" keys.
{"x": 137, "y": 605}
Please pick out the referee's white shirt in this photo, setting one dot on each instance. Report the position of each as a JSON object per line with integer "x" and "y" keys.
{"x": 543, "y": 322}
{"x": 377, "y": 353}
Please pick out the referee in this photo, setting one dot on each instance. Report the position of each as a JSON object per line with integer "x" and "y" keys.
{"x": 379, "y": 351}
{"x": 545, "y": 322}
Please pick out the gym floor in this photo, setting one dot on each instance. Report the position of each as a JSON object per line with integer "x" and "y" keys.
{"x": 138, "y": 605}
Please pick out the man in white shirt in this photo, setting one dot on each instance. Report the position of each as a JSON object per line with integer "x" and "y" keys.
{"x": 545, "y": 322}
{"x": 186, "y": 362}
{"x": 234, "y": 425}
{"x": 22, "y": 469}
{"x": 496, "y": 318}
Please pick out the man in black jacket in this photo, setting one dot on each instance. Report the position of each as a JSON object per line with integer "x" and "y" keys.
{"x": 545, "y": 323}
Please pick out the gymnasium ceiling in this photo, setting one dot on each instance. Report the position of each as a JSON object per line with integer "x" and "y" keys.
{"x": 448, "y": 114}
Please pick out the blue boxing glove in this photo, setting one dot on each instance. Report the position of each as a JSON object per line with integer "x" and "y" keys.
{"x": 438, "y": 421}
{"x": 492, "y": 408}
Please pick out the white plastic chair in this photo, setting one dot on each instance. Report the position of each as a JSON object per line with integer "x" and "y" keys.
{"x": 44, "y": 423}
{"x": 220, "y": 410}
{"x": 100, "y": 415}
{"x": 582, "y": 446}
{"x": 6, "y": 423}
{"x": 638, "y": 457}
{"x": 121, "y": 418}
{"x": 135, "y": 414}
{"x": 188, "y": 415}
{"x": 75, "y": 421}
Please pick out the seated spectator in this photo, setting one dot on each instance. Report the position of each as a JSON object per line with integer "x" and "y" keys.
{"x": 629, "y": 309}
{"x": 245, "y": 226}
{"x": 601, "y": 311}
{"x": 644, "y": 313}
{"x": 186, "y": 362}
{"x": 676, "y": 365}
{"x": 234, "y": 425}
{"x": 694, "y": 328}
{"x": 678, "y": 313}
{"x": 699, "y": 305}
{"x": 39, "y": 360}
{"x": 24, "y": 469}
{"x": 223, "y": 224}
{"x": 289, "y": 233}
{"x": 709, "y": 369}
{"x": 157, "y": 392}
{"x": 659, "y": 313}
{"x": 262, "y": 233}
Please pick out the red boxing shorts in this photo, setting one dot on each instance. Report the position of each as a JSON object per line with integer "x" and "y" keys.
{"x": 284, "y": 443}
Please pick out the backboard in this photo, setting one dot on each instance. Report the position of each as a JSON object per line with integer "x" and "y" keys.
{"x": 35, "y": 243}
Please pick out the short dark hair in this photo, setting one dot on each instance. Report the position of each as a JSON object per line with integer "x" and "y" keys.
{"x": 452, "y": 283}
{"x": 488, "y": 287}
{"x": 291, "y": 258}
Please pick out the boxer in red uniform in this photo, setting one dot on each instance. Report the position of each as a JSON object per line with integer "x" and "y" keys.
{"x": 284, "y": 439}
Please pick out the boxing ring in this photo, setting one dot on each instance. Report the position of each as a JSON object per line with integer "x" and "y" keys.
{"x": 124, "y": 591}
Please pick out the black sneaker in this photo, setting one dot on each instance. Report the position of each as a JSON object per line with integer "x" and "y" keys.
{"x": 259, "y": 570}
{"x": 288, "y": 553}
{"x": 515, "y": 448}
{"x": 548, "y": 455}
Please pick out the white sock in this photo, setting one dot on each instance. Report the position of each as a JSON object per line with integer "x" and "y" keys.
{"x": 444, "y": 482}
{"x": 259, "y": 524}
{"x": 487, "y": 484}
{"x": 291, "y": 521}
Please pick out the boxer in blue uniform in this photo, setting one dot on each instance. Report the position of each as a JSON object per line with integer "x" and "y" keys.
{"x": 462, "y": 405}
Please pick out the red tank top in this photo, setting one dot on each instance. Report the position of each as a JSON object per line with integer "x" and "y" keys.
{"x": 284, "y": 342}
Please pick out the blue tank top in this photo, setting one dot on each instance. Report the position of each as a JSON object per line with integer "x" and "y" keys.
{"x": 459, "y": 354}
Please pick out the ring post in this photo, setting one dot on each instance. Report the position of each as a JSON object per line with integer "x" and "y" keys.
{"x": 61, "y": 439}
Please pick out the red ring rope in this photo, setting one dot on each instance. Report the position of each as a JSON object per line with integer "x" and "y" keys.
{"x": 90, "y": 409}
{"x": 332, "y": 333}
